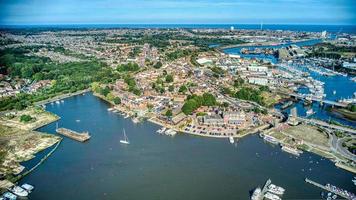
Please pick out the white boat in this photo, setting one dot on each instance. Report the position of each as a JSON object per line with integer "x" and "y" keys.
{"x": 19, "y": 191}
{"x": 125, "y": 140}
{"x": 135, "y": 120}
{"x": 62, "y": 101}
{"x": 161, "y": 130}
{"x": 310, "y": 112}
{"x": 27, "y": 187}
{"x": 276, "y": 189}
{"x": 291, "y": 150}
{"x": 270, "y": 139}
{"x": 170, "y": 132}
{"x": 57, "y": 102}
{"x": 9, "y": 195}
{"x": 231, "y": 139}
{"x": 256, "y": 195}
{"x": 110, "y": 109}
{"x": 271, "y": 196}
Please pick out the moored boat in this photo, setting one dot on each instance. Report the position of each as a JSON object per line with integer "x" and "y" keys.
{"x": 161, "y": 130}
{"x": 270, "y": 139}
{"x": 257, "y": 194}
{"x": 170, "y": 132}
{"x": 231, "y": 139}
{"x": 9, "y": 196}
{"x": 19, "y": 191}
{"x": 27, "y": 187}
{"x": 271, "y": 196}
{"x": 276, "y": 189}
{"x": 291, "y": 150}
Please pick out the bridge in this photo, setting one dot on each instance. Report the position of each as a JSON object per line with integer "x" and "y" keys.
{"x": 327, "y": 125}
{"x": 303, "y": 97}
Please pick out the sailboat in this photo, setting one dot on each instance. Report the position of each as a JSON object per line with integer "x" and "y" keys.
{"x": 125, "y": 140}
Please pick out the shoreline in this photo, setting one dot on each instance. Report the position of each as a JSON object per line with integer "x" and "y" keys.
{"x": 259, "y": 45}
{"x": 60, "y": 97}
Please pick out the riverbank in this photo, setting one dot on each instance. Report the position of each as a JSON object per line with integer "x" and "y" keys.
{"x": 311, "y": 139}
{"x": 60, "y": 97}
{"x": 345, "y": 113}
{"x": 19, "y": 140}
{"x": 263, "y": 44}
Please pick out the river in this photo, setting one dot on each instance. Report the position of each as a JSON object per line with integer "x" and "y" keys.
{"x": 161, "y": 167}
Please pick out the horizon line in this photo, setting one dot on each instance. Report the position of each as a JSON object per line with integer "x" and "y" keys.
{"x": 66, "y": 24}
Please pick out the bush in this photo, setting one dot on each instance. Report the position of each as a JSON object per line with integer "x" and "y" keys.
{"x": 117, "y": 100}
{"x": 169, "y": 113}
{"x": 25, "y": 118}
{"x": 169, "y": 78}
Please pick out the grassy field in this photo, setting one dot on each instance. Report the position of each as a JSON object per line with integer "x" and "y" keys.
{"x": 308, "y": 134}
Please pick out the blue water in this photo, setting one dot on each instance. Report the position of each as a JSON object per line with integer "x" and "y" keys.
{"x": 290, "y": 27}
{"x": 161, "y": 167}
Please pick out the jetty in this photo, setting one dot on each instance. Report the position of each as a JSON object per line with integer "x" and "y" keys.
{"x": 81, "y": 137}
{"x": 333, "y": 189}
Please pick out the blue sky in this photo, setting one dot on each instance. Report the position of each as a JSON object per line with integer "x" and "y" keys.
{"x": 177, "y": 11}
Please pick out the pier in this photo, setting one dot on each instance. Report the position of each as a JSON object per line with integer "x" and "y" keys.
{"x": 341, "y": 193}
{"x": 81, "y": 137}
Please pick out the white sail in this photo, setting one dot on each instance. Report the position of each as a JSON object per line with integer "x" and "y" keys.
{"x": 125, "y": 140}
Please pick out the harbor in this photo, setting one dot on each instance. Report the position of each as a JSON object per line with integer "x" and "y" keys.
{"x": 152, "y": 159}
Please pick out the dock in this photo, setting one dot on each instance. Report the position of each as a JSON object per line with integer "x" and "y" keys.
{"x": 81, "y": 137}
{"x": 332, "y": 189}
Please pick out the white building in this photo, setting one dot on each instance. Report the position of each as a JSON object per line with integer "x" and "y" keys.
{"x": 258, "y": 80}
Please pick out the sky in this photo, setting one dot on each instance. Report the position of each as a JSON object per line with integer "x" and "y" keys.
{"x": 31, "y": 12}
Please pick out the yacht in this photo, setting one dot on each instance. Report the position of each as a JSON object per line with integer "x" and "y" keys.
{"x": 231, "y": 139}
{"x": 276, "y": 189}
{"x": 270, "y": 139}
{"x": 170, "y": 132}
{"x": 125, "y": 140}
{"x": 257, "y": 194}
{"x": 27, "y": 187}
{"x": 19, "y": 191}
{"x": 310, "y": 112}
{"x": 9, "y": 195}
{"x": 271, "y": 196}
{"x": 161, "y": 130}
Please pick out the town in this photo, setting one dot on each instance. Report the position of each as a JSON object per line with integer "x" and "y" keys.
{"x": 188, "y": 81}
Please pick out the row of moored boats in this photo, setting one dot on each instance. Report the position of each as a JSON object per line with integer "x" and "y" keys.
{"x": 17, "y": 191}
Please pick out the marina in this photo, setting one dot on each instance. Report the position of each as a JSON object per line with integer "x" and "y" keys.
{"x": 333, "y": 189}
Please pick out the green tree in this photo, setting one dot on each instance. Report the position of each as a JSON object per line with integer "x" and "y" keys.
{"x": 183, "y": 89}
{"x": 189, "y": 106}
{"x": 171, "y": 88}
{"x": 158, "y": 65}
{"x": 169, "y": 78}
{"x": 117, "y": 100}
{"x": 25, "y": 118}
{"x": 169, "y": 113}
{"x": 209, "y": 99}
